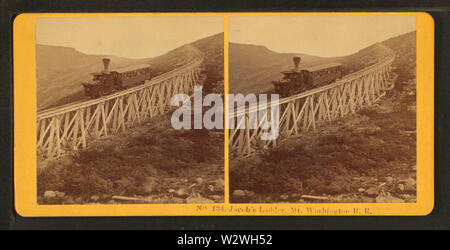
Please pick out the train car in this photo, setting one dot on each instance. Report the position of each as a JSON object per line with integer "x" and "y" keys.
{"x": 109, "y": 81}
{"x": 301, "y": 79}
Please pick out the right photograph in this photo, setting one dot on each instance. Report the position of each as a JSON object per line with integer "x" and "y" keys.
{"x": 322, "y": 109}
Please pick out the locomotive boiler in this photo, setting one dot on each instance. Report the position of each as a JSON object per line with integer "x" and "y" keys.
{"x": 109, "y": 81}
{"x": 301, "y": 79}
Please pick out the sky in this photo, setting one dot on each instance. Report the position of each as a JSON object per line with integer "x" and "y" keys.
{"x": 130, "y": 37}
{"x": 325, "y": 36}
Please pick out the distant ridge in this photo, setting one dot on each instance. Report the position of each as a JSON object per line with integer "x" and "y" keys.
{"x": 253, "y": 67}
{"x": 60, "y": 70}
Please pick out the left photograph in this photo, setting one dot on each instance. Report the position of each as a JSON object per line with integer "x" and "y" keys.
{"x": 110, "y": 91}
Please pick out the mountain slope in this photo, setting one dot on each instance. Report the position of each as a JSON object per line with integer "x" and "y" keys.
{"x": 173, "y": 59}
{"x": 363, "y": 58}
{"x": 253, "y": 67}
{"x": 344, "y": 159}
{"x": 149, "y": 160}
{"x": 405, "y": 61}
{"x": 60, "y": 70}
{"x": 212, "y": 66}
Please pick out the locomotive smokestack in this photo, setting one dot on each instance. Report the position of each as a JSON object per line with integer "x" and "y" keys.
{"x": 106, "y": 65}
{"x": 296, "y": 62}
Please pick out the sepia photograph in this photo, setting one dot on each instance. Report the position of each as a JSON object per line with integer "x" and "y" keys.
{"x": 107, "y": 91}
{"x": 341, "y": 91}
{"x": 241, "y": 118}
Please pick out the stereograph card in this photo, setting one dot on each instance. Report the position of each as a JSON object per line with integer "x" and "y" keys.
{"x": 282, "y": 113}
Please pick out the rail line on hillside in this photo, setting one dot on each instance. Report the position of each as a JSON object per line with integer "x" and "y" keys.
{"x": 305, "y": 111}
{"x": 72, "y": 126}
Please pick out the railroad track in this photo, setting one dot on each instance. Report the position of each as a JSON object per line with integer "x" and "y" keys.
{"x": 303, "y": 112}
{"x": 83, "y": 103}
{"x": 72, "y": 126}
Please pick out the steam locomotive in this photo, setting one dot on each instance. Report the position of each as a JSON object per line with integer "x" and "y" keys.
{"x": 107, "y": 81}
{"x": 299, "y": 80}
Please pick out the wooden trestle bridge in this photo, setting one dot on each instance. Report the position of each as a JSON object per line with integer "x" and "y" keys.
{"x": 304, "y": 112}
{"x": 72, "y": 126}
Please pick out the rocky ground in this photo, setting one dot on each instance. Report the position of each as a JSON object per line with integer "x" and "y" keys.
{"x": 152, "y": 163}
{"x": 369, "y": 156}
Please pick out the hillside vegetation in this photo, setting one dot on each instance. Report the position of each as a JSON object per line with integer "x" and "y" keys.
{"x": 212, "y": 66}
{"x": 150, "y": 163}
{"x": 173, "y": 59}
{"x": 369, "y": 156}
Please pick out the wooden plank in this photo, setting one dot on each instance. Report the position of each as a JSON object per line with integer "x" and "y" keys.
{"x": 75, "y": 130}
{"x": 105, "y": 122}
{"x": 42, "y": 133}
{"x": 58, "y": 138}
{"x": 50, "y": 139}
{"x": 83, "y": 130}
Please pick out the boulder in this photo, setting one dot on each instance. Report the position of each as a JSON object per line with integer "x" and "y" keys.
{"x": 217, "y": 197}
{"x": 371, "y": 192}
{"x": 49, "y": 195}
{"x": 199, "y": 180}
{"x": 182, "y": 192}
{"x": 249, "y": 193}
{"x": 60, "y": 194}
{"x": 238, "y": 193}
{"x": 95, "y": 198}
